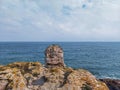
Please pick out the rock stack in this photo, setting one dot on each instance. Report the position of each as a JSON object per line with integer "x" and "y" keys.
{"x": 54, "y": 56}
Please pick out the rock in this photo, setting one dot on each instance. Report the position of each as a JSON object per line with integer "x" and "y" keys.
{"x": 112, "y": 83}
{"x": 13, "y": 78}
{"x": 54, "y": 56}
{"x": 3, "y": 84}
{"x": 34, "y": 76}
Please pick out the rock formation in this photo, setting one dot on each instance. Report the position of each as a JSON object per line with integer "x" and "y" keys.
{"x": 54, "y": 56}
{"x": 113, "y": 84}
{"x": 34, "y": 76}
{"x": 55, "y": 76}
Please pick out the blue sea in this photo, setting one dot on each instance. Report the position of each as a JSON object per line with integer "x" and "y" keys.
{"x": 101, "y": 58}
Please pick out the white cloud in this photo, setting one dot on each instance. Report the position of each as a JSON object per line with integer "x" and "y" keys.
{"x": 75, "y": 20}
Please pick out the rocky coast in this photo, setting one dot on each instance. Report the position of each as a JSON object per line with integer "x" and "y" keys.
{"x": 54, "y": 75}
{"x": 113, "y": 84}
{"x": 35, "y": 76}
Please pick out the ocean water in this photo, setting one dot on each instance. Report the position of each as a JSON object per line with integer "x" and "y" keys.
{"x": 100, "y": 58}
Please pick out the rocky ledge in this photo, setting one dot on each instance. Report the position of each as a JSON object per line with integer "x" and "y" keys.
{"x": 35, "y": 76}
{"x": 113, "y": 84}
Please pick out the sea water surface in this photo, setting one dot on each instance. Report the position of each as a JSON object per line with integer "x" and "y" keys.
{"x": 100, "y": 58}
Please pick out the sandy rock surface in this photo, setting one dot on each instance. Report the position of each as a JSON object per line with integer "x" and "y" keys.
{"x": 34, "y": 76}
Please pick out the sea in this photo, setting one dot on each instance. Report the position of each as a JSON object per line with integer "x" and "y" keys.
{"x": 102, "y": 59}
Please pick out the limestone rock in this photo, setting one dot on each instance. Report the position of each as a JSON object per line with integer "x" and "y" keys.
{"x": 13, "y": 79}
{"x": 3, "y": 84}
{"x": 34, "y": 76}
{"x": 54, "y": 56}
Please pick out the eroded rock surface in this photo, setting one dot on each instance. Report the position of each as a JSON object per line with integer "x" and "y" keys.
{"x": 54, "y": 56}
{"x": 34, "y": 76}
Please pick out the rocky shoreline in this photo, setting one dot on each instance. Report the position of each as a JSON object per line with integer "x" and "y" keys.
{"x": 113, "y": 84}
{"x": 54, "y": 75}
{"x": 35, "y": 76}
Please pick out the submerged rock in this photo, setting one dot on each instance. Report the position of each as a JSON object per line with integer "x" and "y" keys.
{"x": 34, "y": 76}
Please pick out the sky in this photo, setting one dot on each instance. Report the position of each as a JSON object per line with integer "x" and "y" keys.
{"x": 59, "y": 20}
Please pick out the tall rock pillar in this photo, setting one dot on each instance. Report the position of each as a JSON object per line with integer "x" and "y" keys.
{"x": 54, "y": 56}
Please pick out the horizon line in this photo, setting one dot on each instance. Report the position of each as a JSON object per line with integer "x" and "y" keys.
{"x": 59, "y": 41}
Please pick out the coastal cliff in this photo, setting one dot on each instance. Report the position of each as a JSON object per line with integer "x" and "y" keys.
{"x": 35, "y": 76}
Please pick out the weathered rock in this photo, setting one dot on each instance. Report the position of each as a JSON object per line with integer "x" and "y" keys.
{"x": 3, "y": 84}
{"x": 13, "y": 79}
{"x": 34, "y": 76}
{"x": 54, "y": 56}
{"x": 112, "y": 83}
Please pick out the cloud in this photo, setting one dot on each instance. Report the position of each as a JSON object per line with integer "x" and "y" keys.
{"x": 61, "y": 20}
